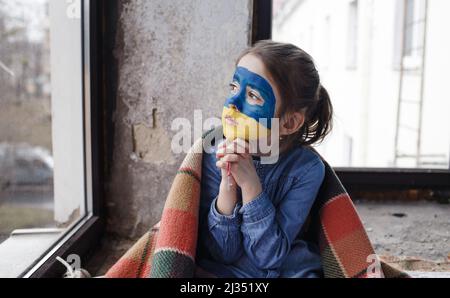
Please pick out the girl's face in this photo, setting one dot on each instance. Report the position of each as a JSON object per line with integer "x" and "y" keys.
{"x": 252, "y": 102}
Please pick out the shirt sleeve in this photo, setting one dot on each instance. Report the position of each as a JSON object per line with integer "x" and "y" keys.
{"x": 268, "y": 232}
{"x": 225, "y": 234}
{"x": 220, "y": 234}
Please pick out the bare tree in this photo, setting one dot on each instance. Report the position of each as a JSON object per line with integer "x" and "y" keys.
{"x": 21, "y": 59}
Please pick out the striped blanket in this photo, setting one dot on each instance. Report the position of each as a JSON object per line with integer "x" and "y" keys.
{"x": 168, "y": 250}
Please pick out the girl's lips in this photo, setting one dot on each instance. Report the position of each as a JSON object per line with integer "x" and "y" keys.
{"x": 231, "y": 121}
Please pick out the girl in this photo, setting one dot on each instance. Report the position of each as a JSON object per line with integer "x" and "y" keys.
{"x": 252, "y": 227}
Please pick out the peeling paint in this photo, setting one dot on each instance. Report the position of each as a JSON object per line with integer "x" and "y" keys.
{"x": 152, "y": 145}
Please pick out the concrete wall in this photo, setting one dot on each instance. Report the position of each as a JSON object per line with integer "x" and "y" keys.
{"x": 173, "y": 57}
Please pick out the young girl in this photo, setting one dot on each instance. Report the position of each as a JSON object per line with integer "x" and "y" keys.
{"x": 252, "y": 227}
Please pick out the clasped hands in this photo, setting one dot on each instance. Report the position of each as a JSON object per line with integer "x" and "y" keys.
{"x": 243, "y": 172}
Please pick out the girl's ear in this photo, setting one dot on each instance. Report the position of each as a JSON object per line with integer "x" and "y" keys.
{"x": 291, "y": 123}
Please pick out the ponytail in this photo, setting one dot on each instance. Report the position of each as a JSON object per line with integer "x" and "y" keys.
{"x": 323, "y": 115}
{"x": 319, "y": 118}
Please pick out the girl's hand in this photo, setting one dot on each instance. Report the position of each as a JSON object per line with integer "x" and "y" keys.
{"x": 227, "y": 182}
{"x": 241, "y": 165}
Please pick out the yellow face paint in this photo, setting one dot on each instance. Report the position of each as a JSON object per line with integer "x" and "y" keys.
{"x": 238, "y": 125}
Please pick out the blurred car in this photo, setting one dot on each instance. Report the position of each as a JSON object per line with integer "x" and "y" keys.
{"x": 23, "y": 164}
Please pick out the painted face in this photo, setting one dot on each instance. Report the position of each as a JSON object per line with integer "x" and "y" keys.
{"x": 248, "y": 110}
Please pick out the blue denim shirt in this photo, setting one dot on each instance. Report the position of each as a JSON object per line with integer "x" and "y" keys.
{"x": 263, "y": 237}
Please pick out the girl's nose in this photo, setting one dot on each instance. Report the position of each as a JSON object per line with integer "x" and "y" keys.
{"x": 236, "y": 101}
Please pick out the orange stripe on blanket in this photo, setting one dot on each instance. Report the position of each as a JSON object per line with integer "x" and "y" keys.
{"x": 339, "y": 218}
{"x": 124, "y": 268}
{"x": 178, "y": 231}
{"x": 354, "y": 250}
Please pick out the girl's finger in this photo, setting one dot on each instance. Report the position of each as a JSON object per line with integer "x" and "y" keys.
{"x": 233, "y": 148}
{"x": 223, "y": 151}
{"x": 230, "y": 148}
{"x": 224, "y": 164}
{"x": 231, "y": 158}
{"x": 243, "y": 148}
{"x": 238, "y": 146}
{"x": 222, "y": 143}
{"x": 223, "y": 147}
{"x": 221, "y": 165}
{"x": 220, "y": 152}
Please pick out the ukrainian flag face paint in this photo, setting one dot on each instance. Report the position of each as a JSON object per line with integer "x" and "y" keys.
{"x": 249, "y": 109}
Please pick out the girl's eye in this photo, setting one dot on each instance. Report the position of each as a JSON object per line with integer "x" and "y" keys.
{"x": 255, "y": 98}
{"x": 234, "y": 88}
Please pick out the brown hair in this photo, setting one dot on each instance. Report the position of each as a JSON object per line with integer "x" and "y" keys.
{"x": 298, "y": 82}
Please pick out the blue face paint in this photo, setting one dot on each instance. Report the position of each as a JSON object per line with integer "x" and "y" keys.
{"x": 245, "y": 78}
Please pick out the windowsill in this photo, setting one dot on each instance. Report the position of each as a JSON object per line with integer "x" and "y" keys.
{"x": 23, "y": 248}
{"x": 33, "y": 252}
{"x": 420, "y": 274}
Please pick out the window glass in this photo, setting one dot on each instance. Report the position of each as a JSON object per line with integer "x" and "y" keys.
{"x": 42, "y": 185}
{"x": 383, "y": 64}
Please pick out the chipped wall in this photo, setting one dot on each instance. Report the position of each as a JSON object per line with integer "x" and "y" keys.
{"x": 173, "y": 57}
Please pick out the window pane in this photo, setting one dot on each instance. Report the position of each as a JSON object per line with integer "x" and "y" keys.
{"x": 383, "y": 64}
{"x": 41, "y": 120}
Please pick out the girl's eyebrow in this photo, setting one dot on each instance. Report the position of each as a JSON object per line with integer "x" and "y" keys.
{"x": 255, "y": 89}
{"x": 255, "y": 79}
{"x": 260, "y": 92}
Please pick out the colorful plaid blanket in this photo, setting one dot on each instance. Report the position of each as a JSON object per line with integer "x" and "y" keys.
{"x": 168, "y": 250}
